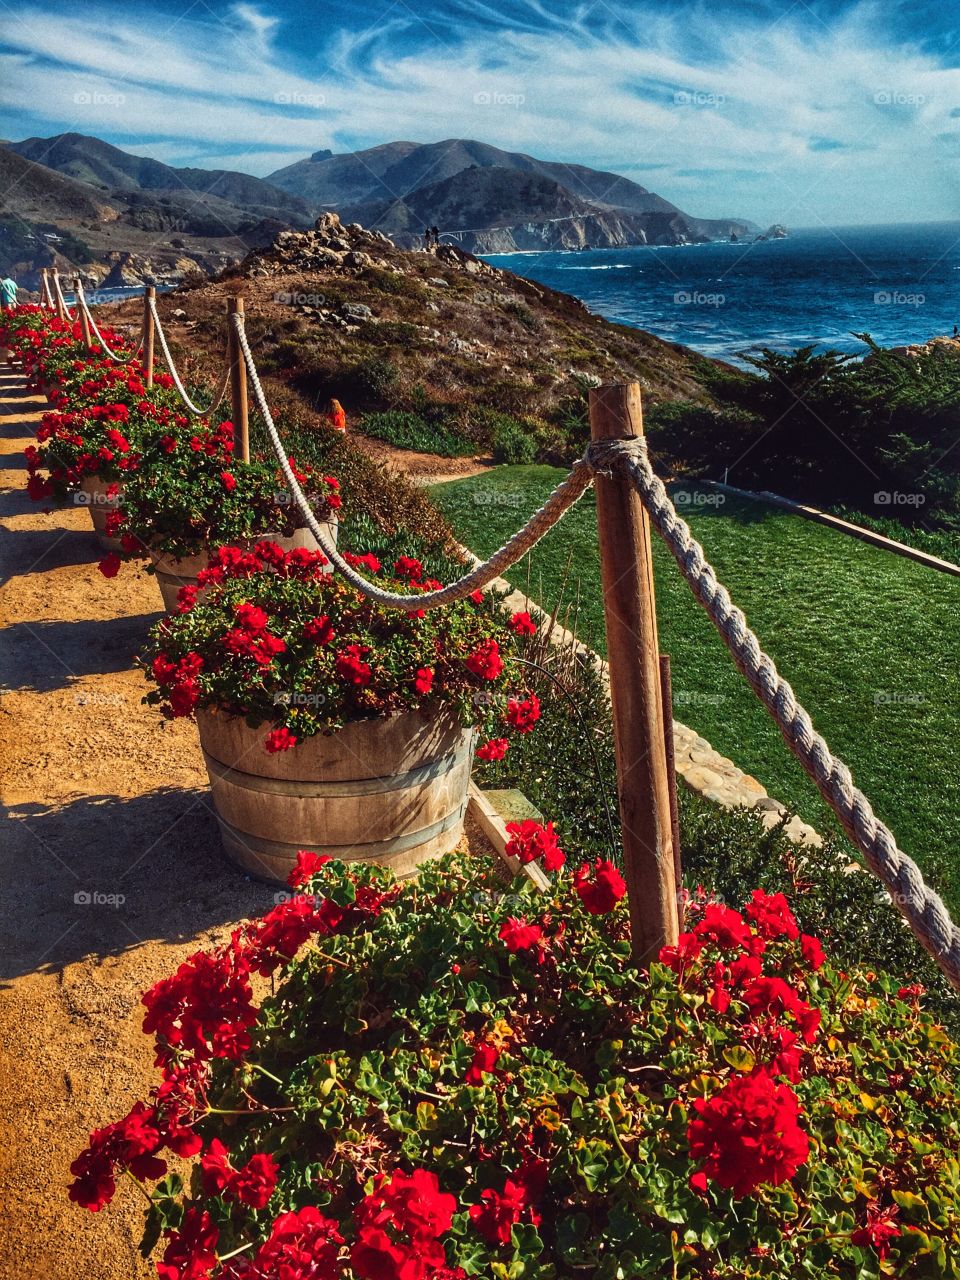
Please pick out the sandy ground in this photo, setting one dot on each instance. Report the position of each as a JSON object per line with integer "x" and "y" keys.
{"x": 111, "y": 867}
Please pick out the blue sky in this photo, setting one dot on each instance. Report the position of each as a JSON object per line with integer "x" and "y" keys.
{"x": 803, "y": 113}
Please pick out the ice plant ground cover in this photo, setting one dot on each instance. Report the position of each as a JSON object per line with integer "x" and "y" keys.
{"x": 459, "y": 1076}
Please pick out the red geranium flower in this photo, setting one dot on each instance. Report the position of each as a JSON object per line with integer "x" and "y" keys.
{"x": 308, "y": 864}
{"x": 531, "y": 840}
{"x": 349, "y": 665}
{"x": 495, "y": 749}
{"x": 747, "y": 1135}
{"x": 303, "y": 1245}
{"x": 319, "y": 629}
{"x": 485, "y": 660}
{"x": 601, "y": 894}
{"x": 522, "y": 624}
{"x": 192, "y": 1251}
{"x": 109, "y": 566}
{"x": 771, "y": 915}
{"x": 485, "y": 1059}
{"x": 423, "y": 682}
{"x": 523, "y": 715}
{"x": 279, "y": 740}
{"x": 878, "y": 1230}
{"x": 517, "y": 935}
{"x": 229, "y": 481}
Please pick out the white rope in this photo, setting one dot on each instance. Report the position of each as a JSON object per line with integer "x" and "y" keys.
{"x": 923, "y": 909}
{"x": 195, "y": 409}
{"x": 46, "y": 295}
{"x": 113, "y": 355}
{"x": 562, "y": 498}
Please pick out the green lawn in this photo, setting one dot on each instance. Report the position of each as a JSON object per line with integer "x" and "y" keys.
{"x": 869, "y": 641}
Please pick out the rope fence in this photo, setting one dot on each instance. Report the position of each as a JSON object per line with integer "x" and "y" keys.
{"x": 113, "y": 355}
{"x": 627, "y": 457}
{"x": 922, "y": 908}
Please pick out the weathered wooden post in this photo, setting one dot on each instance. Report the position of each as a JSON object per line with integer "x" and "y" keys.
{"x": 666, "y": 687}
{"x": 82, "y": 315}
{"x": 238, "y": 381}
{"x": 149, "y": 296}
{"x": 634, "y": 656}
{"x": 58, "y": 296}
{"x": 46, "y": 297}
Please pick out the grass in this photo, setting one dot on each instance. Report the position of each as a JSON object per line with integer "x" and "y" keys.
{"x": 868, "y": 640}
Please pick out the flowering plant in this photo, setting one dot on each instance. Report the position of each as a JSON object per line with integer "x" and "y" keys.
{"x": 191, "y": 491}
{"x": 458, "y": 1079}
{"x": 278, "y": 641}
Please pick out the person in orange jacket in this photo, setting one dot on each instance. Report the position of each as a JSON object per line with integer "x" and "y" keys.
{"x": 336, "y": 416}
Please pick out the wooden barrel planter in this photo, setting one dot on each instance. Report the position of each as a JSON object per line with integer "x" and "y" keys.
{"x": 172, "y": 574}
{"x": 390, "y": 790}
{"x": 93, "y": 496}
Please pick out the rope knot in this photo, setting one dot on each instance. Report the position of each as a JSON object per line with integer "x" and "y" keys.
{"x": 603, "y": 457}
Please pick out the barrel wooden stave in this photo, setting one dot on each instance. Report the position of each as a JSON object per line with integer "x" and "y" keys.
{"x": 391, "y": 790}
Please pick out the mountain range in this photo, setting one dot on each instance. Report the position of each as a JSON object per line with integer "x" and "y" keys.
{"x": 490, "y": 200}
{"x": 77, "y": 201}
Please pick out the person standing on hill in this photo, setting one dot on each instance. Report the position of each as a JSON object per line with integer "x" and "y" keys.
{"x": 336, "y": 417}
{"x": 8, "y": 294}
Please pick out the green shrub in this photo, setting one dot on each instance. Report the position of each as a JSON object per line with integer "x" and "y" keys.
{"x": 512, "y": 444}
{"x": 411, "y": 431}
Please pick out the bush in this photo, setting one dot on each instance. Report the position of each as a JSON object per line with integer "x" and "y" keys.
{"x": 459, "y": 1080}
{"x": 411, "y": 431}
{"x": 512, "y": 444}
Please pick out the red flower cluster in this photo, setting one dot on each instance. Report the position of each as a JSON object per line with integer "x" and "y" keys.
{"x": 495, "y": 749}
{"x": 878, "y": 1229}
{"x": 180, "y": 681}
{"x": 192, "y": 1251}
{"x": 601, "y": 893}
{"x": 350, "y": 666}
{"x": 499, "y": 1211}
{"x": 253, "y": 1185}
{"x": 250, "y": 637}
{"x": 523, "y": 714}
{"x": 485, "y": 661}
{"x": 522, "y": 624}
{"x": 399, "y": 1226}
{"x": 532, "y": 841}
{"x": 747, "y": 1135}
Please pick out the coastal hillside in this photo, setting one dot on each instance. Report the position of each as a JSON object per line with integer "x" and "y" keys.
{"x": 439, "y": 352}
{"x": 399, "y": 186}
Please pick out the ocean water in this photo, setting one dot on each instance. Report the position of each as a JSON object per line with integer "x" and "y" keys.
{"x": 901, "y": 284}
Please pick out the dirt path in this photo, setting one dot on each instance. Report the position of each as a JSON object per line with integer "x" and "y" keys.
{"x": 111, "y": 867}
{"x": 110, "y": 863}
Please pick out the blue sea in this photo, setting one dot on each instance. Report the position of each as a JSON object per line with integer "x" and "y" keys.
{"x": 900, "y": 283}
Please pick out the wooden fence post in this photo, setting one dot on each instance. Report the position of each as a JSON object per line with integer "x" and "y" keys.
{"x": 666, "y": 687}
{"x": 58, "y": 296}
{"x": 46, "y": 298}
{"x": 82, "y": 316}
{"x": 238, "y": 382}
{"x": 149, "y": 295}
{"x": 633, "y": 654}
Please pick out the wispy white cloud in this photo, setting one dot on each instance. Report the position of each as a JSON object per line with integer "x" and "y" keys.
{"x": 799, "y": 120}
